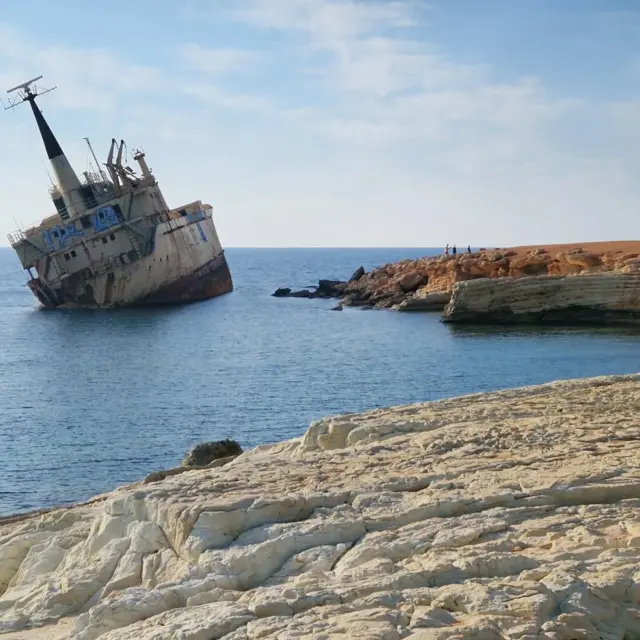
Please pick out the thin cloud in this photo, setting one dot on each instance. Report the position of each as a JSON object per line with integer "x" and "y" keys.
{"x": 93, "y": 78}
{"x": 215, "y": 96}
{"x": 328, "y": 21}
{"x": 218, "y": 61}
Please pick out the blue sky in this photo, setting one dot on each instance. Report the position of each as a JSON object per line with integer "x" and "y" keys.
{"x": 344, "y": 122}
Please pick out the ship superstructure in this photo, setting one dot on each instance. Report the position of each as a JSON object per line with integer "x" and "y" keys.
{"x": 113, "y": 240}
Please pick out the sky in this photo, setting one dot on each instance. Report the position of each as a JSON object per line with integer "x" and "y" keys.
{"x": 346, "y": 123}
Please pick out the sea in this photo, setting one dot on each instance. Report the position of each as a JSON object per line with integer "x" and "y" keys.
{"x": 93, "y": 399}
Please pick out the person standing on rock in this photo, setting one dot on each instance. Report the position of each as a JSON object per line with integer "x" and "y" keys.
{"x": 469, "y": 249}
{"x": 446, "y": 250}
{"x": 454, "y": 250}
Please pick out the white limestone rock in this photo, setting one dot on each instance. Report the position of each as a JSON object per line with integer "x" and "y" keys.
{"x": 510, "y": 515}
{"x": 610, "y": 298}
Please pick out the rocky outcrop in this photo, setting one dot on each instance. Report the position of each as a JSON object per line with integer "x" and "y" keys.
{"x": 500, "y": 516}
{"x": 357, "y": 274}
{"x": 423, "y": 301}
{"x": 206, "y": 452}
{"x": 208, "y": 455}
{"x": 325, "y": 289}
{"x": 603, "y": 298}
{"x": 412, "y": 281}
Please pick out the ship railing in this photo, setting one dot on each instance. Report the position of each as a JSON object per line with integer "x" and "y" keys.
{"x": 16, "y": 237}
{"x": 90, "y": 178}
{"x": 25, "y": 231}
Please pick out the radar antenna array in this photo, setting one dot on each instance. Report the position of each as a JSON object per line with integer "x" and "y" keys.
{"x": 27, "y": 91}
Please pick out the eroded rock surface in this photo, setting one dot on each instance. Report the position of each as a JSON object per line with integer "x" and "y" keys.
{"x": 605, "y": 298}
{"x": 505, "y": 515}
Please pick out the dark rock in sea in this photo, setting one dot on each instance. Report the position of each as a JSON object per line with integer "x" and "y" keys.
{"x": 357, "y": 274}
{"x": 207, "y": 452}
{"x": 325, "y": 289}
{"x": 328, "y": 286}
{"x": 338, "y": 307}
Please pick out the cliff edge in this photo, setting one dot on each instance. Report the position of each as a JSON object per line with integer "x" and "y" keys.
{"x": 502, "y": 515}
{"x": 596, "y": 299}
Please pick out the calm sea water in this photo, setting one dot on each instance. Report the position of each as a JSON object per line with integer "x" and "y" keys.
{"x": 92, "y": 399}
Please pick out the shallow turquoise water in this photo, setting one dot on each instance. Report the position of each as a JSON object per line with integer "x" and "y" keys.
{"x": 90, "y": 400}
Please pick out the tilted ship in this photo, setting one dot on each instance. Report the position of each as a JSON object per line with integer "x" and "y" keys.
{"x": 114, "y": 242}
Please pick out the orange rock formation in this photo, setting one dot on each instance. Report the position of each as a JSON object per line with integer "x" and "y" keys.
{"x": 391, "y": 284}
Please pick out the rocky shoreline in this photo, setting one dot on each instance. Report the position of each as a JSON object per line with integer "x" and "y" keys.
{"x": 508, "y": 515}
{"x": 428, "y": 282}
{"x": 536, "y": 285}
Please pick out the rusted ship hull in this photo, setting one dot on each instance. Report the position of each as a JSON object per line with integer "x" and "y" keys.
{"x": 210, "y": 281}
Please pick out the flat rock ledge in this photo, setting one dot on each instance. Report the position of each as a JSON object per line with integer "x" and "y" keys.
{"x": 607, "y": 299}
{"x": 502, "y": 515}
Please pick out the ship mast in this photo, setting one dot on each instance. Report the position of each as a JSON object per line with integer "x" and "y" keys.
{"x": 98, "y": 167}
{"x": 66, "y": 178}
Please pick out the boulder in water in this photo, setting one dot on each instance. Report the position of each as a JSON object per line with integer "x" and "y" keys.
{"x": 207, "y": 452}
{"x": 328, "y": 287}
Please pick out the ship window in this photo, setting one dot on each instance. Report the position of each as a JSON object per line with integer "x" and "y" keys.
{"x": 112, "y": 237}
{"x": 151, "y": 195}
{"x": 104, "y": 241}
{"x": 101, "y": 215}
{"x": 183, "y": 212}
{"x": 86, "y": 223}
{"x": 67, "y": 256}
{"x": 74, "y": 254}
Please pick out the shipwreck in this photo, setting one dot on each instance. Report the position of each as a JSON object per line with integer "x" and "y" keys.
{"x": 114, "y": 241}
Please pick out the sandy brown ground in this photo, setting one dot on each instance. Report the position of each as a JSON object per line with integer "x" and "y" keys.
{"x": 619, "y": 246}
